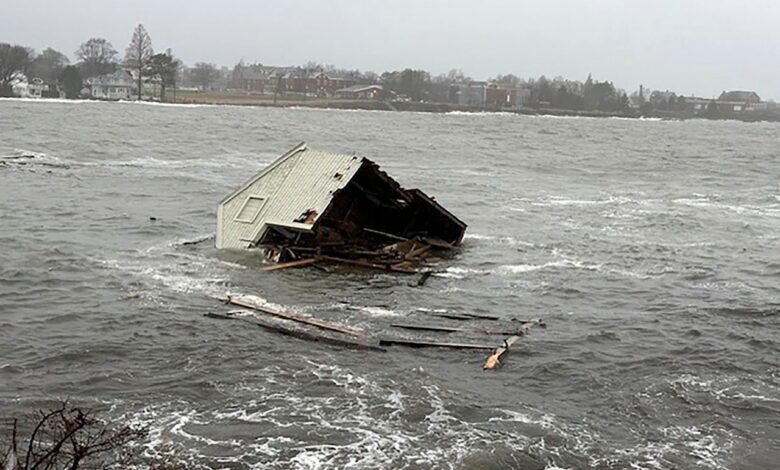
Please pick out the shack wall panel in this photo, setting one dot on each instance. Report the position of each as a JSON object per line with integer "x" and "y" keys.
{"x": 232, "y": 231}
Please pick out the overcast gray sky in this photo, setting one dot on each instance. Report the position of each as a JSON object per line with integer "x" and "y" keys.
{"x": 697, "y": 47}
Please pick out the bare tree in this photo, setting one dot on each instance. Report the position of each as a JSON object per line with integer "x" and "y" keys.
{"x": 204, "y": 74}
{"x": 13, "y": 60}
{"x": 97, "y": 57}
{"x": 67, "y": 438}
{"x": 139, "y": 54}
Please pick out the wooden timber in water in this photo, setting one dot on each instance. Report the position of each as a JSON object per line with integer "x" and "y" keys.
{"x": 494, "y": 360}
{"x": 404, "y": 256}
{"x": 453, "y": 329}
{"x": 298, "y": 333}
{"x": 293, "y": 264}
{"x": 462, "y": 316}
{"x": 431, "y": 344}
{"x": 242, "y": 301}
{"x": 285, "y": 322}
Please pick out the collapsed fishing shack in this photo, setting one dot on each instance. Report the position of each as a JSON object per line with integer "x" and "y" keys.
{"x": 319, "y": 208}
{"x": 310, "y": 207}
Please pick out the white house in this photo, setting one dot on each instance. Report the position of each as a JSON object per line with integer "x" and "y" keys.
{"x": 114, "y": 86}
{"x": 28, "y": 88}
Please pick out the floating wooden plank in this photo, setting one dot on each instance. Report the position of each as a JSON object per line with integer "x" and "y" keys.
{"x": 367, "y": 264}
{"x": 424, "y": 278}
{"x": 453, "y": 329}
{"x": 431, "y": 344}
{"x": 300, "y": 334}
{"x": 494, "y": 359}
{"x": 438, "y": 243}
{"x": 287, "y": 315}
{"x": 451, "y": 316}
{"x": 385, "y": 234}
{"x": 292, "y": 264}
{"x": 463, "y": 316}
{"x": 416, "y": 252}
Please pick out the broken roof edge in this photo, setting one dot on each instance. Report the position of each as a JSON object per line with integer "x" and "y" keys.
{"x": 442, "y": 210}
{"x": 263, "y": 229}
{"x": 294, "y": 151}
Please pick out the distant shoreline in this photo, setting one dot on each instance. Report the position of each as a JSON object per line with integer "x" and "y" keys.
{"x": 235, "y": 99}
{"x": 244, "y": 99}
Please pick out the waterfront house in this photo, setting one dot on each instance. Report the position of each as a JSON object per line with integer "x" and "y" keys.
{"x": 365, "y": 92}
{"x": 315, "y": 83}
{"x": 24, "y": 87}
{"x": 253, "y": 81}
{"x": 114, "y": 86}
{"x": 500, "y": 97}
{"x": 468, "y": 94}
{"x": 740, "y": 96}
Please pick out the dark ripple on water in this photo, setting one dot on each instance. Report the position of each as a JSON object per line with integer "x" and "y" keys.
{"x": 655, "y": 265}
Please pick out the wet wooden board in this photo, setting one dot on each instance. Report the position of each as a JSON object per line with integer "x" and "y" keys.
{"x": 300, "y": 334}
{"x": 287, "y": 315}
{"x": 368, "y": 264}
{"x": 462, "y": 316}
{"x": 292, "y": 264}
{"x": 494, "y": 360}
{"x": 453, "y": 329}
{"x": 431, "y": 344}
{"x": 424, "y": 278}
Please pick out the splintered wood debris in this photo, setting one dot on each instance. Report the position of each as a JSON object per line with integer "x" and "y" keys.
{"x": 318, "y": 208}
{"x": 256, "y": 312}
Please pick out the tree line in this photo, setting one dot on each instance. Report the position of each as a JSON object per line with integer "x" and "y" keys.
{"x": 96, "y": 56}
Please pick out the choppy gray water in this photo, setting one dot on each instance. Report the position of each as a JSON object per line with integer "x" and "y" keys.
{"x": 652, "y": 249}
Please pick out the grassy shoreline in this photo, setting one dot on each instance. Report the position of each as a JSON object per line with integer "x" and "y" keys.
{"x": 245, "y": 99}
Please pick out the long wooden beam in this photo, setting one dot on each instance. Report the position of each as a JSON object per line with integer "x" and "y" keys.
{"x": 300, "y": 334}
{"x": 461, "y": 316}
{"x": 367, "y": 264}
{"x": 287, "y": 315}
{"x": 453, "y": 329}
{"x": 292, "y": 264}
{"x": 431, "y": 344}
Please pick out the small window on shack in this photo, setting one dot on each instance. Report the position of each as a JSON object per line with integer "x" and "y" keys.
{"x": 250, "y": 209}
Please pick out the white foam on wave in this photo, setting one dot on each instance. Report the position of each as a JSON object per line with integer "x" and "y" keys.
{"x": 497, "y": 240}
{"x": 219, "y": 161}
{"x": 107, "y": 103}
{"x": 157, "y": 270}
{"x": 171, "y": 105}
{"x": 726, "y": 388}
{"x": 258, "y": 301}
{"x": 171, "y": 277}
{"x": 457, "y": 272}
{"x": 375, "y": 311}
{"x": 564, "y": 201}
{"x": 362, "y": 422}
{"x": 480, "y": 113}
{"x": 27, "y": 157}
{"x": 564, "y": 263}
{"x": 52, "y": 100}
{"x": 366, "y": 418}
{"x": 749, "y": 209}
